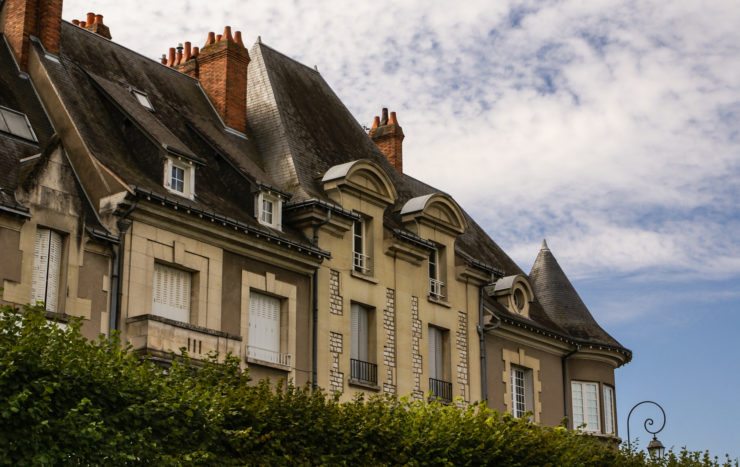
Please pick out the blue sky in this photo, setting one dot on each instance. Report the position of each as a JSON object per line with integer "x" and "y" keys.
{"x": 611, "y": 128}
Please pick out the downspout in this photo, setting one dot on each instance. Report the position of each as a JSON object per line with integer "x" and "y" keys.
{"x": 482, "y": 335}
{"x": 117, "y": 279}
{"x": 315, "y": 311}
{"x": 565, "y": 378}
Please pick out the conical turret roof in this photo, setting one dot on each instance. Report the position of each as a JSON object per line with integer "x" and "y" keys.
{"x": 561, "y": 302}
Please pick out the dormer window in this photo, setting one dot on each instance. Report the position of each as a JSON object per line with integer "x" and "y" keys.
{"x": 16, "y": 124}
{"x": 179, "y": 177}
{"x": 269, "y": 210}
{"x": 143, "y": 99}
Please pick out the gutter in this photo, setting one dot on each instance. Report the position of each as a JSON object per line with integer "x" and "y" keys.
{"x": 565, "y": 378}
{"x": 315, "y": 307}
{"x": 482, "y": 330}
{"x": 117, "y": 279}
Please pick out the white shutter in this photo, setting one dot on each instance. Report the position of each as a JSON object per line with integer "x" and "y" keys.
{"x": 264, "y": 326}
{"x": 171, "y": 293}
{"x": 358, "y": 346}
{"x": 40, "y": 266}
{"x": 55, "y": 266}
{"x": 436, "y": 359}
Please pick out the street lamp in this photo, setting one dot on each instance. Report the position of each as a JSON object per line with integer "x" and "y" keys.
{"x": 655, "y": 448}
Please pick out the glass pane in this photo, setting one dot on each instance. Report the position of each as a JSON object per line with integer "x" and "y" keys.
{"x": 143, "y": 100}
{"x": 178, "y": 179}
{"x": 3, "y": 125}
{"x": 18, "y": 125}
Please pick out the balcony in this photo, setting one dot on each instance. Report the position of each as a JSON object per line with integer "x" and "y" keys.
{"x": 440, "y": 389}
{"x": 363, "y": 372}
{"x": 361, "y": 263}
{"x": 272, "y": 357}
{"x": 436, "y": 289}
{"x": 161, "y": 337}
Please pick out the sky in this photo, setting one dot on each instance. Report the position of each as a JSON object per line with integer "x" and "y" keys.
{"x": 610, "y": 128}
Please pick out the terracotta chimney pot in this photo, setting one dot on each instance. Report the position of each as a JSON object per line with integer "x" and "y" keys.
{"x": 171, "y": 61}
{"x": 392, "y": 120}
{"x": 99, "y": 19}
{"x": 384, "y": 118}
{"x": 90, "y": 19}
{"x": 211, "y": 39}
{"x": 83, "y": 24}
{"x": 76, "y": 22}
{"x": 238, "y": 38}
{"x": 218, "y": 38}
{"x": 178, "y": 60}
{"x": 188, "y": 52}
{"x": 196, "y": 52}
{"x": 163, "y": 60}
{"x": 376, "y": 122}
{"x": 227, "y": 34}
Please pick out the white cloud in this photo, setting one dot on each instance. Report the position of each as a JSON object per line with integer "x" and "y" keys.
{"x": 610, "y": 127}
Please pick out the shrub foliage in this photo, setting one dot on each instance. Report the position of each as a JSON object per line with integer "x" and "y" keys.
{"x": 67, "y": 400}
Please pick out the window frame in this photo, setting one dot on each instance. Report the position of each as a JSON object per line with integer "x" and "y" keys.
{"x": 610, "y": 426}
{"x": 523, "y": 391}
{"x": 438, "y": 355}
{"x": 360, "y": 257}
{"x": 276, "y": 221}
{"x": 583, "y": 407}
{"x": 172, "y": 313}
{"x": 5, "y": 128}
{"x": 188, "y": 181}
{"x": 143, "y": 99}
{"x": 363, "y": 366}
{"x": 276, "y": 355}
{"x": 436, "y": 285}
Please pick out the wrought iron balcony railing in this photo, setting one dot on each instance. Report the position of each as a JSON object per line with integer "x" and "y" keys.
{"x": 363, "y": 372}
{"x": 441, "y": 389}
{"x": 361, "y": 263}
{"x": 436, "y": 288}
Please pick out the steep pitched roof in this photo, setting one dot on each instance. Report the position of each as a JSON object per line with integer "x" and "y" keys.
{"x": 561, "y": 302}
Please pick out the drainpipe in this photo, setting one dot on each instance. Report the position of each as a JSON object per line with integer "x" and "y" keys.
{"x": 482, "y": 334}
{"x": 117, "y": 279}
{"x": 315, "y": 311}
{"x": 565, "y": 378}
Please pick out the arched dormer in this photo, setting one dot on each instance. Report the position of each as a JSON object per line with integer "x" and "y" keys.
{"x": 362, "y": 178}
{"x": 515, "y": 293}
{"x": 436, "y": 210}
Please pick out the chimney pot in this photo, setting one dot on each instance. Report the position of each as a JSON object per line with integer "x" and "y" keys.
{"x": 376, "y": 122}
{"x": 384, "y": 119}
{"x": 163, "y": 60}
{"x": 83, "y": 24}
{"x": 99, "y": 19}
{"x": 76, "y": 22}
{"x": 188, "y": 52}
{"x": 171, "y": 60}
{"x": 211, "y": 39}
{"x": 238, "y": 38}
{"x": 196, "y": 52}
{"x": 90, "y": 19}
{"x": 219, "y": 37}
{"x": 227, "y": 34}
{"x": 392, "y": 120}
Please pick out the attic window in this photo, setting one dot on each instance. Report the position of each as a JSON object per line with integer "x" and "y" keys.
{"x": 143, "y": 99}
{"x": 16, "y": 124}
{"x": 269, "y": 210}
{"x": 179, "y": 177}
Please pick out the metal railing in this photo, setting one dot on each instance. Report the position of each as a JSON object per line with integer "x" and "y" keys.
{"x": 436, "y": 288}
{"x": 363, "y": 372}
{"x": 441, "y": 389}
{"x": 361, "y": 263}
{"x": 269, "y": 356}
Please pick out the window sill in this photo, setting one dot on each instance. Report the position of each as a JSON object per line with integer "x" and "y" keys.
{"x": 364, "y": 385}
{"x": 277, "y": 366}
{"x": 439, "y": 301}
{"x": 364, "y": 277}
{"x": 181, "y": 194}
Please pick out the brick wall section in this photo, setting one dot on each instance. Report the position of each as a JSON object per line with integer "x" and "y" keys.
{"x": 389, "y": 349}
{"x": 336, "y": 303}
{"x": 388, "y": 136}
{"x": 461, "y": 343}
{"x": 41, "y": 18}
{"x": 336, "y": 377}
{"x": 416, "y": 358}
{"x": 221, "y": 68}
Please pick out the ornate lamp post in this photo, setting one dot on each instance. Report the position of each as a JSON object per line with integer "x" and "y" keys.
{"x": 655, "y": 448}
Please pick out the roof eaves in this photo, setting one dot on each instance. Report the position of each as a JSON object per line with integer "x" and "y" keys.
{"x": 413, "y": 238}
{"x": 480, "y": 264}
{"x": 317, "y": 202}
{"x": 227, "y": 221}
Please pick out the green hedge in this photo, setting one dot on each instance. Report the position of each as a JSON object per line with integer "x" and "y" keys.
{"x": 67, "y": 400}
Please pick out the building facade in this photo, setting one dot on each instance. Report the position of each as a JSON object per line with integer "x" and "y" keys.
{"x": 224, "y": 200}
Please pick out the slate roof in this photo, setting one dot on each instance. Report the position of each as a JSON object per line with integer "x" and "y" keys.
{"x": 16, "y": 93}
{"x": 561, "y": 302}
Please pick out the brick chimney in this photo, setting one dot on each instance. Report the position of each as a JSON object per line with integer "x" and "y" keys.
{"x": 25, "y": 18}
{"x": 221, "y": 67}
{"x": 95, "y": 24}
{"x": 388, "y": 135}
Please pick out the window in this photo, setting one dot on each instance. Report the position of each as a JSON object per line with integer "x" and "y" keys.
{"x": 16, "y": 124}
{"x": 171, "y": 293}
{"x": 522, "y": 397}
{"x": 143, "y": 99}
{"x": 609, "y": 410}
{"x": 436, "y": 286}
{"x": 269, "y": 210}
{"x": 361, "y": 261}
{"x": 264, "y": 329}
{"x": 179, "y": 177}
{"x": 437, "y": 364}
{"x": 47, "y": 264}
{"x": 361, "y": 368}
{"x": 585, "y": 405}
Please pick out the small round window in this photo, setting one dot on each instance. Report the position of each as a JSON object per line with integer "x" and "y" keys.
{"x": 519, "y": 299}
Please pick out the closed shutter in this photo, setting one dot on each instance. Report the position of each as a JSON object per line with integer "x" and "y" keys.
{"x": 171, "y": 293}
{"x": 264, "y": 326}
{"x": 47, "y": 263}
{"x": 358, "y": 348}
{"x": 436, "y": 360}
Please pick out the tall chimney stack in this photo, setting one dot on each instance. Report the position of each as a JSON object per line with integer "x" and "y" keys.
{"x": 221, "y": 67}
{"x": 388, "y": 135}
{"x": 25, "y": 18}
